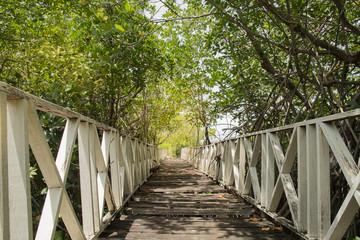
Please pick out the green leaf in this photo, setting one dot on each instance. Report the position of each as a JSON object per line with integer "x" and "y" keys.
{"x": 44, "y": 191}
{"x": 127, "y": 6}
{"x": 119, "y": 27}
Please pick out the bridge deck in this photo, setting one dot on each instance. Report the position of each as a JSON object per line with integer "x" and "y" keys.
{"x": 178, "y": 202}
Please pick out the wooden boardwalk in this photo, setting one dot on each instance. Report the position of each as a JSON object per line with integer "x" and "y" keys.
{"x": 178, "y": 202}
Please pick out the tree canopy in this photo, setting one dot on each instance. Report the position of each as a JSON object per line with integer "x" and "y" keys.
{"x": 266, "y": 63}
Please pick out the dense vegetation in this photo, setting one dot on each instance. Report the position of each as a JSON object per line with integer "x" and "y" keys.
{"x": 265, "y": 62}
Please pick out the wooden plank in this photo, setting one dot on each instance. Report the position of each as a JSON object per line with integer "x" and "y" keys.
{"x": 191, "y": 212}
{"x": 123, "y": 161}
{"x": 302, "y": 178}
{"x": 323, "y": 181}
{"x": 340, "y": 151}
{"x": 252, "y": 177}
{"x": 50, "y": 214}
{"x": 69, "y": 218}
{"x": 41, "y": 150}
{"x": 18, "y": 175}
{"x": 101, "y": 184}
{"x": 186, "y": 197}
{"x": 291, "y": 153}
{"x": 269, "y": 172}
{"x": 263, "y": 170}
{"x": 4, "y": 183}
{"x": 108, "y": 138}
{"x": 312, "y": 186}
{"x": 66, "y": 148}
{"x": 186, "y": 236}
{"x": 85, "y": 180}
{"x": 94, "y": 179}
{"x": 242, "y": 163}
{"x": 115, "y": 168}
{"x": 346, "y": 213}
{"x": 284, "y": 165}
{"x": 109, "y": 197}
{"x": 197, "y": 189}
{"x": 170, "y": 205}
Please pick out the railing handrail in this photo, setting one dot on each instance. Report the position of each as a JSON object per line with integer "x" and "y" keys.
{"x": 325, "y": 119}
{"x": 49, "y": 107}
{"x": 128, "y": 159}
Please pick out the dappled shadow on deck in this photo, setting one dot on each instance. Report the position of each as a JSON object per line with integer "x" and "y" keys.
{"x": 178, "y": 202}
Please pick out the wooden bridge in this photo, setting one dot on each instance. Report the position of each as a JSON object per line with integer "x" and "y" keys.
{"x": 270, "y": 180}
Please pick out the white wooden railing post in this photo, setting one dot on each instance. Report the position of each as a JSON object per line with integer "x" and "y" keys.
{"x": 4, "y": 189}
{"x": 302, "y": 178}
{"x": 312, "y": 186}
{"x": 323, "y": 181}
{"x": 116, "y": 176}
{"x": 18, "y": 166}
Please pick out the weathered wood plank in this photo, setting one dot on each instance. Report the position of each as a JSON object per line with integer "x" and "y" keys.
{"x": 19, "y": 181}
{"x": 41, "y": 150}
{"x": 323, "y": 181}
{"x": 85, "y": 179}
{"x": 71, "y": 222}
{"x": 159, "y": 215}
{"x": 302, "y": 177}
{"x": 311, "y": 178}
{"x": 4, "y": 189}
{"x": 346, "y": 213}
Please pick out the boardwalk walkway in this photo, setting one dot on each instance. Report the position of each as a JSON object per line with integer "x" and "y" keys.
{"x": 178, "y": 202}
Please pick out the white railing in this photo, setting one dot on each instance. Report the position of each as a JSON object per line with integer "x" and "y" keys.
{"x": 302, "y": 173}
{"x": 127, "y": 159}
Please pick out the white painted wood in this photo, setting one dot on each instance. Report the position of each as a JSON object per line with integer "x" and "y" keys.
{"x": 109, "y": 197}
{"x": 66, "y": 148}
{"x": 236, "y": 169}
{"x": 228, "y": 163}
{"x": 50, "y": 214}
{"x": 263, "y": 169}
{"x": 276, "y": 196}
{"x": 4, "y": 189}
{"x": 124, "y": 162}
{"x": 284, "y": 182}
{"x": 346, "y": 213}
{"x": 323, "y": 182}
{"x": 340, "y": 151}
{"x": 115, "y": 168}
{"x": 242, "y": 164}
{"x": 69, "y": 218}
{"x": 276, "y": 148}
{"x": 302, "y": 178}
{"x": 291, "y": 153}
{"x": 252, "y": 177}
{"x": 41, "y": 150}
{"x": 270, "y": 172}
{"x": 291, "y": 196}
{"x": 18, "y": 166}
{"x": 101, "y": 183}
{"x": 107, "y": 138}
{"x": 96, "y": 160}
{"x": 312, "y": 186}
{"x": 85, "y": 180}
